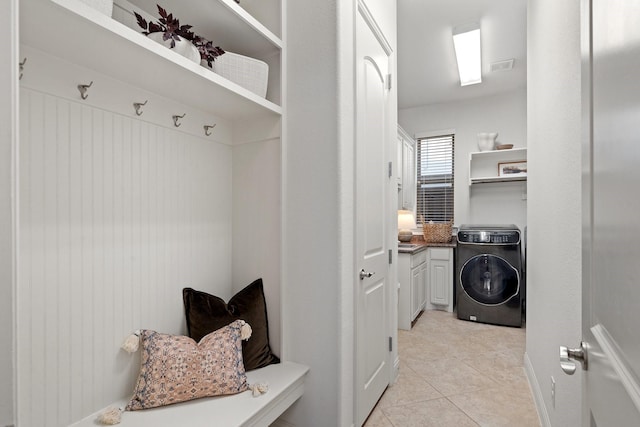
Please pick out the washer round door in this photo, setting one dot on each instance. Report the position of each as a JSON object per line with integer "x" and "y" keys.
{"x": 489, "y": 279}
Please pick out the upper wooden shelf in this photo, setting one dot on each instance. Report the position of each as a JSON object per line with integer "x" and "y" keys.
{"x": 77, "y": 33}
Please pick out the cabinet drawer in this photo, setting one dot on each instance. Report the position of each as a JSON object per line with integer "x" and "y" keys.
{"x": 440, "y": 253}
{"x": 418, "y": 259}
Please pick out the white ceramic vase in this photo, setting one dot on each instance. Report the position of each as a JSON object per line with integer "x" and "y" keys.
{"x": 487, "y": 141}
{"x": 182, "y": 47}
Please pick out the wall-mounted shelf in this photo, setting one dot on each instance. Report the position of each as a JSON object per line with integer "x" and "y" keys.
{"x": 77, "y": 33}
{"x": 483, "y": 165}
{"x": 224, "y": 22}
{"x": 485, "y": 180}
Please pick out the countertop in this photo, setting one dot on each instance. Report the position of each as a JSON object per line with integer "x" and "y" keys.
{"x": 422, "y": 245}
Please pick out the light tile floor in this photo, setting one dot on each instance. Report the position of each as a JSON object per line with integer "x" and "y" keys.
{"x": 458, "y": 373}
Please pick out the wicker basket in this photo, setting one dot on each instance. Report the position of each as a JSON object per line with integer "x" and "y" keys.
{"x": 437, "y": 232}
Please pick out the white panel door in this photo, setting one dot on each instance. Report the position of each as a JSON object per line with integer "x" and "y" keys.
{"x": 372, "y": 221}
{"x": 611, "y": 295}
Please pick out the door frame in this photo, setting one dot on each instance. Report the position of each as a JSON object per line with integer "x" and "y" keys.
{"x": 9, "y": 75}
{"x": 587, "y": 170}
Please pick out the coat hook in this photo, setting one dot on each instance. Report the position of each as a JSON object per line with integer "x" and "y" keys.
{"x": 24, "y": 61}
{"x": 207, "y": 129}
{"x": 83, "y": 90}
{"x": 138, "y": 105}
{"x": 176, "y": 119}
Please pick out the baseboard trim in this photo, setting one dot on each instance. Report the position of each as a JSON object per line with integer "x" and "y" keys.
{"x": 536, "y": 391}
{"x": 396, "y": 370}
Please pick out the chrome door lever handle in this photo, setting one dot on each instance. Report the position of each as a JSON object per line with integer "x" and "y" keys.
{"x": 570, "y": 355}
{"x": 366, "y": 274}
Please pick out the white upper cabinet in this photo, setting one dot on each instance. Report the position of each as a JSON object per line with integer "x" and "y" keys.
{"x": 407, "y": 167}
{"x": 77, "y": 33}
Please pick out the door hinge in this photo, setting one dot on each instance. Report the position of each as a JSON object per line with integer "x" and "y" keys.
{"x": 390, "y": 256}
{"x": 390, "y": 343}
{"x": 390, "y": 169}
{"x": 388, "y": 81}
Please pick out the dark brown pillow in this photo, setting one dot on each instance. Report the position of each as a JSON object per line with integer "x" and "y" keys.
{"x": 206, "y": 313}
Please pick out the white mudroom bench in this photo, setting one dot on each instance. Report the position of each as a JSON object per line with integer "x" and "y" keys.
{"x": 286, "y": 385}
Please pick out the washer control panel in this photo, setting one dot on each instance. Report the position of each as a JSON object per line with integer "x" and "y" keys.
{"x": 489, "y": 237}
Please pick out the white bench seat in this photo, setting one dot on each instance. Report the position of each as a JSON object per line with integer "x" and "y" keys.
{"x": 286, "y": 385}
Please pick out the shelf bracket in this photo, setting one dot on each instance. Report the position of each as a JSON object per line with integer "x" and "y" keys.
{"x": 176, "y": 120}
{"x": 83, "y": 90}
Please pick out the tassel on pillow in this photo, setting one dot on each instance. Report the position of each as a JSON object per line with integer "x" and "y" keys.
{"x": 258, "y": 388}
{"x": 110, "y": 416}
{"x": 245, "y": 331}
{"x": 132, "y": 342}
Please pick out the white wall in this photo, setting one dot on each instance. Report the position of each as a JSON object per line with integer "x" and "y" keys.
{"x": 311, "y": 303}
{"x": 256, "y": 224}
{"x": 554, "y": 210}
{"x": 318, "y": 266}
{"x": 506, "y": 113}
{"x": 8, "y": 143}
{"x": 117, "y": 215}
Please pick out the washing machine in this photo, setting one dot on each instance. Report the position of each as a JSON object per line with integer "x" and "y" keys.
{"x": 489, "y": 269}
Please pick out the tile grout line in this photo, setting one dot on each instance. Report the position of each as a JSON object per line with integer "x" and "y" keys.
{"x": 476, "y": 422}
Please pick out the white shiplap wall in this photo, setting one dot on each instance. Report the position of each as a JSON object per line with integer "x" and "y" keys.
{"x": 117, "y": 215}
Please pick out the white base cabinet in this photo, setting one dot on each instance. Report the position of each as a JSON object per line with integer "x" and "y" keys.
{"x": 418, "y": 289}
{"x": 439, "y": 266}
{"x": 412, "y": 277}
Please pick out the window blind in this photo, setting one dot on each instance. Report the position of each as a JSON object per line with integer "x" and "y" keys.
{"x": 435, "y": 178}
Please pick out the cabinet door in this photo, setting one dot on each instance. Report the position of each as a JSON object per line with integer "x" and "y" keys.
{"x": 423, "y": 286}
{"x": 418, "y": 290}
{"x": 408, "y": 174}
{"x": 416, "y": 293}
{"x": 440, "y": 282}
{"x": 415, "y": 304}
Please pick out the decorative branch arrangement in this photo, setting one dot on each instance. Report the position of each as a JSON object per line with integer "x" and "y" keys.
{"x": 172, "y": 30}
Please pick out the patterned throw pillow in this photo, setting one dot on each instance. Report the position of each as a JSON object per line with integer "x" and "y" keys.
{"x": 176, "y": 368}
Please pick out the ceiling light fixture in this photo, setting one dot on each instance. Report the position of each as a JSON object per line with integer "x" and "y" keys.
{"x": 466, "y": 41}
